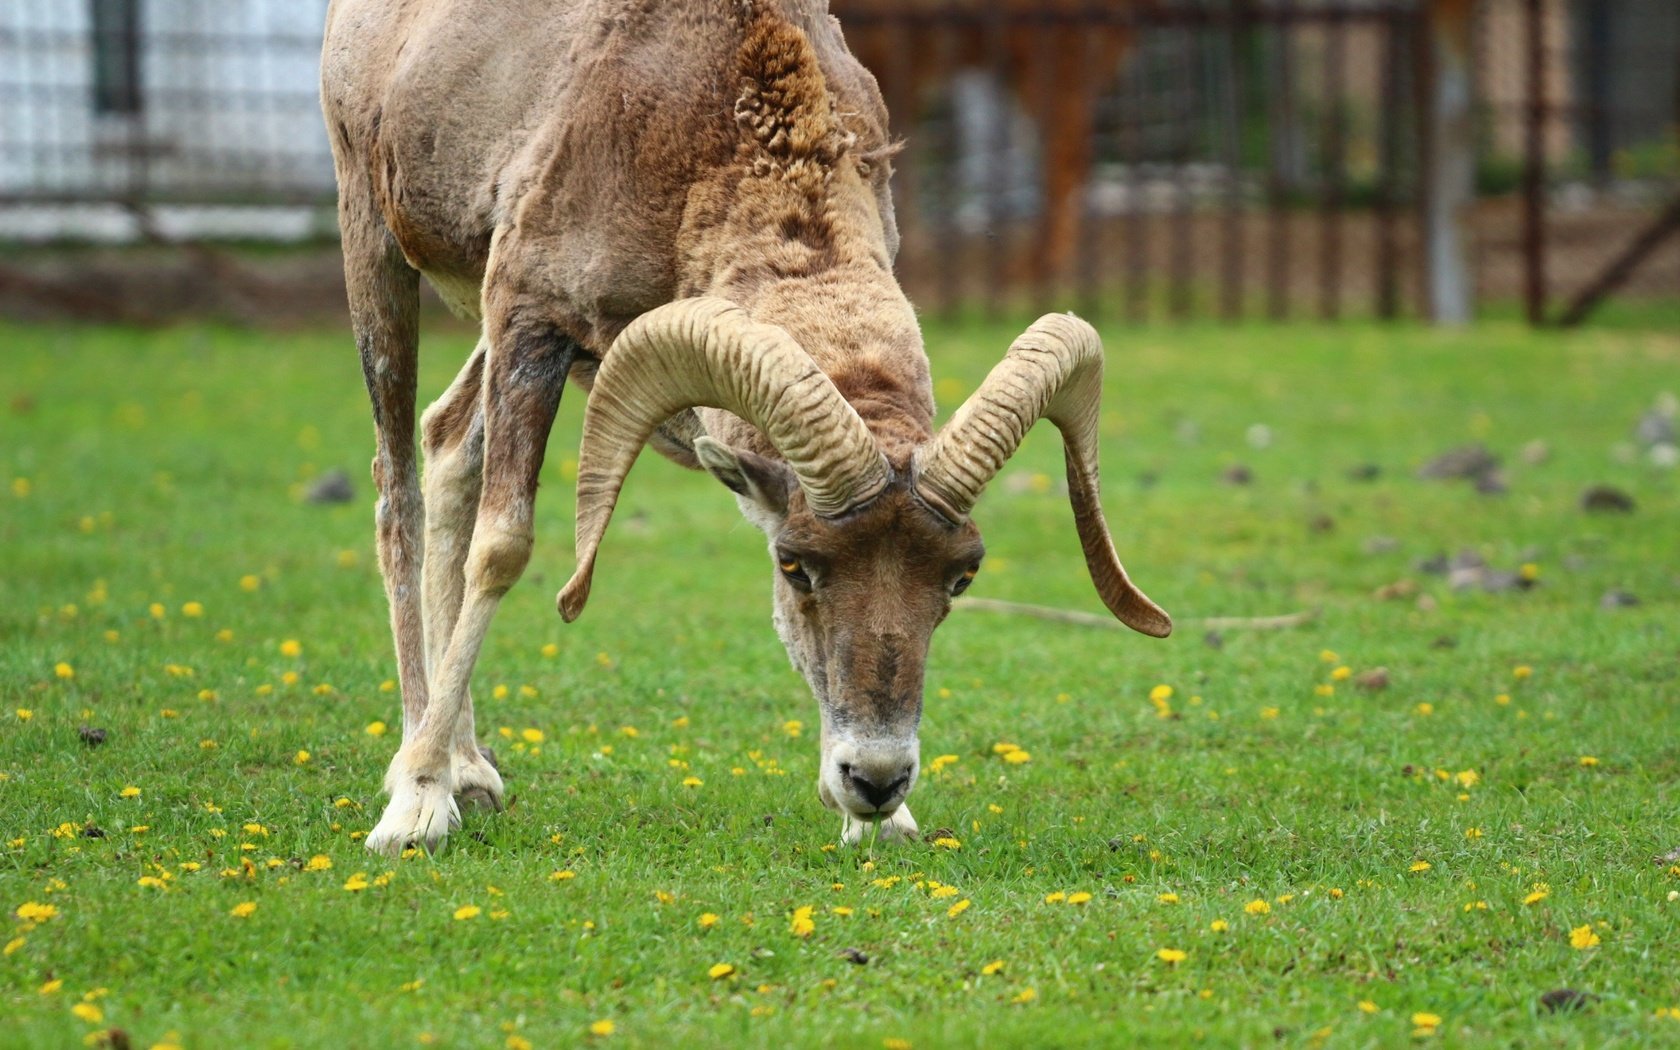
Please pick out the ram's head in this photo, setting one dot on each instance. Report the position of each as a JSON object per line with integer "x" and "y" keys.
{"x": 868, "y": 553}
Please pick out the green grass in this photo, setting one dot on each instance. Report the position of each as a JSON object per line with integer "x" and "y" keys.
{"x": 169, "y": 465}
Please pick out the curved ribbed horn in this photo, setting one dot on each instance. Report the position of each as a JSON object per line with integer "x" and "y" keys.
{"x": 1053, "y": 371}
{"x": 708, "y": 352}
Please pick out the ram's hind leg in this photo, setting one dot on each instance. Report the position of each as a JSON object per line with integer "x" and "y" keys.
{"x": 524, "y": 372}
{"x": 452, "y": 433}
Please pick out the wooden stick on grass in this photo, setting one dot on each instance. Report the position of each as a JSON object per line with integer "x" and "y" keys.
{"x": 1085, "y": 619}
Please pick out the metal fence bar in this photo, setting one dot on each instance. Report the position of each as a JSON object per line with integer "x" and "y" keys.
{"x": 1178, "y": 288}
{"x": 1335, "y": 159}
{"x": 1281, "y": 141}
{"x": 1136, "y": 226}
{"x": 1534, "y": 164}
{"x": 1388, "y": 165}
{"x": 1231, "y": 270}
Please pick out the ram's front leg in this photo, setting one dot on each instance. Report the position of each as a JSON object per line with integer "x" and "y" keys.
{"x": 525, "y": 373}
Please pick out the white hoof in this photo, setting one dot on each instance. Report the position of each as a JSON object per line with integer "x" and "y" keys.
{"x": 478, "y": 786}
{"x": 421, "y": 813}
{"x": 899, "y": 827}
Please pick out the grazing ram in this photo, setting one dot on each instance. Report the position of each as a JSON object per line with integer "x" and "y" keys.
{"x": 684, "y": 207}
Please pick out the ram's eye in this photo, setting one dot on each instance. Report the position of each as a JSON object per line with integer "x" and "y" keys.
{"x": 964, "y": 580}
{"x": 795, "y": 572}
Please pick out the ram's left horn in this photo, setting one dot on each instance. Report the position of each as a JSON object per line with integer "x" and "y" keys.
{"x": 1053, "y": 371}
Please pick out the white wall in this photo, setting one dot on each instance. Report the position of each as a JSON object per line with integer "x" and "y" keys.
{"x": 229, "y": 101}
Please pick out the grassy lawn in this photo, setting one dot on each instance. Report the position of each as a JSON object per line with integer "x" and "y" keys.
{"x": 1332, "y": 862}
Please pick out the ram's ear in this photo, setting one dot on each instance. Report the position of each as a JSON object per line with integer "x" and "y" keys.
{"x": 767, "y": 482}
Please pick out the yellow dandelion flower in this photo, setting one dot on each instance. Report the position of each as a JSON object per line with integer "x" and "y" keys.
{"x": 88, "y": 1012}
{"x": 692, "y": 782}
{"x": 1269, "y": 712}
{"x": 1367, "y": 1006}
{"x": 894, "y": 1043}
{"x": 1050, "y": 898}
{"x": 51, "y": 986}
{"x": 1024, "y": 996}
{"x": 375, "y": 729}
{"x": 1003, "y": 747}
{"x": 602, "y": 1027}
{"x": 301, "y": 758}
{"x": 1582, "y": 938}
{"x": 1167, "y": 898}
{"x": 1539, "y": 893}
{"x": 291, "y": 647}
{"x": 193, "y": 609}
{"x": 1079, "y": 898}
{"x": 1425, "y": 709}
{"x": 1336, "y": 893}
{"x": 500, "y": 692}
{"x": 13, "y": 945}
{"x": 30, "y": 911}
{"x": 801, "y": 924}
{"x": 319, "y": 862}
{"x": 157, "y": 610}
{"x": 249, "y": 582}
{"x": 1420, "y": 865}
{"x": 1017, "y": 757}
{"x": 467, "y": 911}
{"x": 840, "y": 910}
{"x": 958, "y": 908}
{"x": 244, "y": 909}
{"x": 1257, "y": 907}
{"x": 1588, "y": 760}
{"x": 1425, "y": 1020}
{"x": 130, "y": 792}
{"x": 389, "y": 685}
{"x": 20, "y": 487}
{"x": 1468, "y": 778}
{"x": 1342, "y": 674}
{"x": 1329, "y": 656}
{"x": 720, "y": 970}
{"x": 24, "y": 714}
{"x": 562, "y": 875}
{"x": 1160, "y": 693}
{"x": 359, "y": 882}
{"x": 289, "y": 678}
{"x": 64, "y": 670}
{"x": 938, "y": 765}
{"x": 993, "y": 968}
{"x": 1503, "y": 699}
{"x": 1324, "y": 689}
{"x": 518, "y": 1042}
{"x": 1472, "y": 833}
{"x": 1171, "y": 956}
{"x": 946, "y": 842}
{"x": 531, "y": 736}
{"x": 1522, "y": 671}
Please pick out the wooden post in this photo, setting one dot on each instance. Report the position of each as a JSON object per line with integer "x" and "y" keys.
{"x": 1449, "y": 162}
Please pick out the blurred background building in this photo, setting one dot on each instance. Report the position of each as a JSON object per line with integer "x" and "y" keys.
{"x": 1135, "y": 158}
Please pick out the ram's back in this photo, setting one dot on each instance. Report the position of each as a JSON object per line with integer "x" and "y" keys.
{"x": 586, "y": 119}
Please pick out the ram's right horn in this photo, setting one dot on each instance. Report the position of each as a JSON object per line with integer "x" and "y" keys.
{"x": 708, "y": 352}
